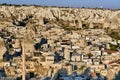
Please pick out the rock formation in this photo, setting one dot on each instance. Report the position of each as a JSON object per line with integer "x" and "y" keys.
{"x": 75, "y": 17}
{"x": 2, "y": 48}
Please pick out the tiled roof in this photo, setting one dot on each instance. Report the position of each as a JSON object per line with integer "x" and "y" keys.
{"x": 110, "y": 51}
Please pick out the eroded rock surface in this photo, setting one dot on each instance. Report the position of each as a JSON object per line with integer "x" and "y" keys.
{"x": 94, "y": 18}
{"x": 2, "y": 48}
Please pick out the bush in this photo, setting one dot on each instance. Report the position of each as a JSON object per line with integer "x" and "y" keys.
{"x": 56, "y": 41}
{"x": 113, "y": 47}
{"x": 115, "y": 35}
{"x": 82, "y": 67}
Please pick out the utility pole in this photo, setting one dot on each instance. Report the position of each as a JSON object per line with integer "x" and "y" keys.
{"x": 23, "y": 60}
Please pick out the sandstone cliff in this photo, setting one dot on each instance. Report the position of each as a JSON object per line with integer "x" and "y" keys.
{"x": 2, "y": 48}
{"x": 70, "y": 17}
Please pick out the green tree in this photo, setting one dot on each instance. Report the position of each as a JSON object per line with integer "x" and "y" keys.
{"x": 115, "y": 35}
{"x": 90, "y": 55}
{"x": 113, "y": 47}
{"x": 82, "y": 67}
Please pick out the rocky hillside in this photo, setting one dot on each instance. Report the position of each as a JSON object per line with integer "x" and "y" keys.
{"x": 2, "y": 48}
{"x": 64, "y": 17}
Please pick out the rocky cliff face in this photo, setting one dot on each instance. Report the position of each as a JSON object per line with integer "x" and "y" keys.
{"x": 70, "y": 17}
{"x": 2, "y": 48}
